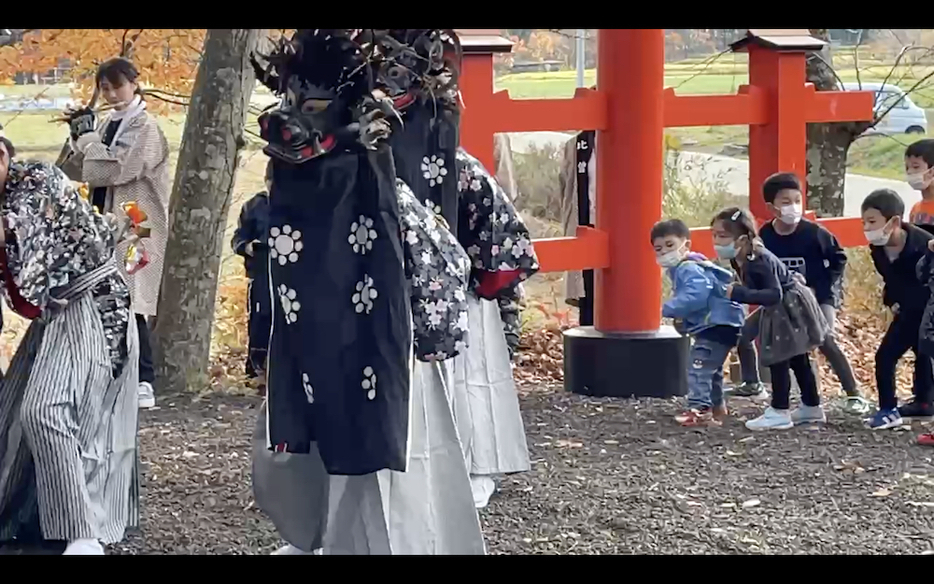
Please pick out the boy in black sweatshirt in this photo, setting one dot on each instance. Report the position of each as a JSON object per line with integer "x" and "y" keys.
{"x": 896, "y": 249}
{"x": 812, "y": 251}
{"x": 250, "y": 241}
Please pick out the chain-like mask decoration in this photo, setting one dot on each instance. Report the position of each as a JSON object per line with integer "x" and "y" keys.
{"x": 414, "y": 64}
{"x": 323, "y": 77}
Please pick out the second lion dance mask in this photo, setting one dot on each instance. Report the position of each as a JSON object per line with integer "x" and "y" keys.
{"x": 367, "y": 278}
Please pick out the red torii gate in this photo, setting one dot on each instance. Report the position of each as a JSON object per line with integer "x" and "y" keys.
{"x": 627, "y": 352}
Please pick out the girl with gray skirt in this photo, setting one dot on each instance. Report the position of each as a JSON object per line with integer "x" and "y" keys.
{"x": 790, "y": 320}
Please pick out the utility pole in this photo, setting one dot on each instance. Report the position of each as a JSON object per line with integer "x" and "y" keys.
{"x": 580, "y": 56}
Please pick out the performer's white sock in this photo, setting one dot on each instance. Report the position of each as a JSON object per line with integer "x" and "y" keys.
{"x": 483, "y": 487}
{"x": 84, "y": 547}
{"x": 291, "y": 550}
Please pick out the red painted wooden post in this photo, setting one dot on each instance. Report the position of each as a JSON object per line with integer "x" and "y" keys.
{"x": 629, "y": 177}
{"x": 477, "y": 125}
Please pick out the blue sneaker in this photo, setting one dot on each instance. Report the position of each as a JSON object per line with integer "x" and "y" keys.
{"x": 885, "y": 419}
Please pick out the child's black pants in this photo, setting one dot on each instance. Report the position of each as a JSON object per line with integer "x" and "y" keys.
{"x": 781, "y": 382}
{"x": 901, "y": 337}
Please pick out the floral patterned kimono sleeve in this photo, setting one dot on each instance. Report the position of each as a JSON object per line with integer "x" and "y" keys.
{"x": 55, "y": 232}
{"x": 494, "y": 235}
{"x": 437, "y": 270}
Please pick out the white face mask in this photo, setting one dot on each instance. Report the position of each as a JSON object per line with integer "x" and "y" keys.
{"x": 791, "y": 214}
{"x": 917, "y": 181}
{"x": 878, "y": 237}
{"x": 670, "y": 259}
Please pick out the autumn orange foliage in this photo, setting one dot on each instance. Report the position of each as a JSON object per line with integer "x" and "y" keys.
{"x": 166, "y": 58}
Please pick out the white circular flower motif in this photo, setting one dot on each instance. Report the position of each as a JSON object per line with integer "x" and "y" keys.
{"x": 364, "y": 296}
{"x": 290, "y": 306}
{"x": 362, "y": 235}
{"x": 433, "y": 169}
{"x": 309, "y": 391}
{"x": 369, "y": 383}
{"x": 284, "y": 244}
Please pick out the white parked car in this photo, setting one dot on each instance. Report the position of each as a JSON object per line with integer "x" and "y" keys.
{"x": 905, "y": 118}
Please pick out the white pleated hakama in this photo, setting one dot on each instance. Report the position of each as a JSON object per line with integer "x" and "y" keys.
{"x": 427, "y": 510}
{"x": 486, "y": 405}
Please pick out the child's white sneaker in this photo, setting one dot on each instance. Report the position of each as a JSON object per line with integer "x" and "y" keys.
{"x": 808, "y": 415}
{"x": 772, "y": 419}
{"x": 84, "y": 547}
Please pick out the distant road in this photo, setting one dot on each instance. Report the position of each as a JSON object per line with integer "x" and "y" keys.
{"x": 735, "y": 172}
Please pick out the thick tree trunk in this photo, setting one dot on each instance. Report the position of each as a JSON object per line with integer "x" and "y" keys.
{"x": 827, "y": 144}
{"x": 204, "y": 180}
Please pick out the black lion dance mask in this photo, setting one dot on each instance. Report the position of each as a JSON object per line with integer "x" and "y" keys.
{"x": 326, "y": 104}
{"x": 420, "y": 68}
{"x": 366, "y": 278}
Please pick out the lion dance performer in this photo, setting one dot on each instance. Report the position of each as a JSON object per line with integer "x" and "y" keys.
{"x": 361, "y": 453}
{"x": 420, "y": 69}
{"x": 68, "y": 405}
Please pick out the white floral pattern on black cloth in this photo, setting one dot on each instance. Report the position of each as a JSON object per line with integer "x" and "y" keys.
{"x": 56, "y": 236}
{"x": 437, "y": 269}
{"x": 490, "y": 229}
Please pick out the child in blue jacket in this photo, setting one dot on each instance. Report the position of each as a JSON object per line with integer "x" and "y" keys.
{"x": 701, "y": 308}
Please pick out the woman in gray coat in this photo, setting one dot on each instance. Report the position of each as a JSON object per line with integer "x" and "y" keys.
{"x": 126, "y": 159}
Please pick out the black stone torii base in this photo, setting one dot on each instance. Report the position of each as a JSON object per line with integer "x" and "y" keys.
{"x": 649, "y": 364}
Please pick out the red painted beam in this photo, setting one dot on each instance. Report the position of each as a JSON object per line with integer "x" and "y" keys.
{"x": 585, "y": 111}
{"x": 838, "y": 106}
{"x": 588, "y": 251}
{"x": 748, "y": 107}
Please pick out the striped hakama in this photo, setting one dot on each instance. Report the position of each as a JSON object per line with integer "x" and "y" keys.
{"x": 68, "y": 429}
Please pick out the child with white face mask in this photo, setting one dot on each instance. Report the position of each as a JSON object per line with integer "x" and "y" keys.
{"x": 790, "y": 323}
{"x": 896, "y": 250}
{"x": 811, "y": 251}
{"x": 919, "y": 173}
{"x": 699, "y": 304}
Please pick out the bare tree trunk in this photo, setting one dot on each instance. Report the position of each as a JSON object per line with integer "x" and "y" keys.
{"x": 827, "y": 144}
{"x": 204, "y": 180}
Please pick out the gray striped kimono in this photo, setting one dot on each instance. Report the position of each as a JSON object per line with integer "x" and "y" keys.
{"x": 68, "y": 405}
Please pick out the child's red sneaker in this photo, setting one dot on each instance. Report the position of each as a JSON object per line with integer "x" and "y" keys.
{"x": 693, "y": 418}
{"x": 926, "y": 439}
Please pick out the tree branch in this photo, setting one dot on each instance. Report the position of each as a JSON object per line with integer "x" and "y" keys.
{"x": 12, "y": 36}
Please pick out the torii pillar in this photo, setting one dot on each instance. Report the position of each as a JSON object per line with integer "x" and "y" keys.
{"x": 626, "y": 349}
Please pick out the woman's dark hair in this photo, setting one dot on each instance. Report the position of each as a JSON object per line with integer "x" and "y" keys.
{"x": 117, "y": 71}
{"x": 269, "y": 167}
{"x": 738, "y": 222}
{"x": 11, "y": 150}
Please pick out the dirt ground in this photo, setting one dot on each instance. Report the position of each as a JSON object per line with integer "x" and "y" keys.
{"x": 609, "y": 477}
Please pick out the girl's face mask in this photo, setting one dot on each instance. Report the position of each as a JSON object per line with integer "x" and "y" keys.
{"x": 726, "y": 251}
